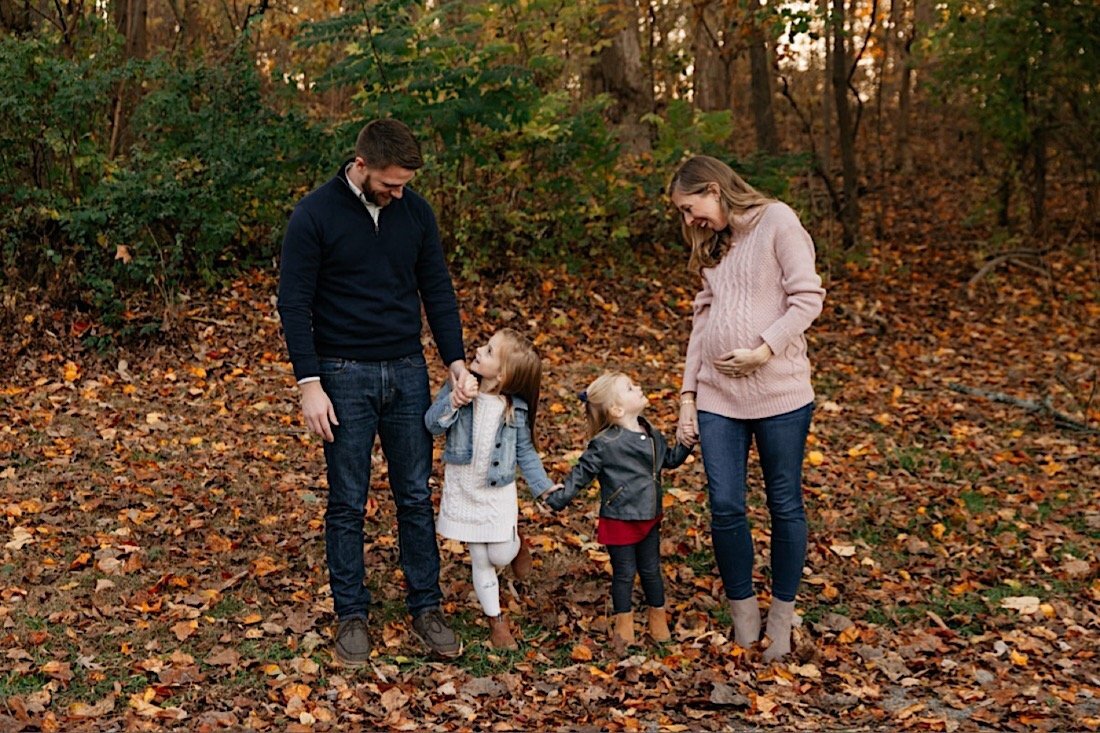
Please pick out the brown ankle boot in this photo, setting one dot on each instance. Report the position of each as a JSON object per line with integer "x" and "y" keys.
{"x": 658, "y": 624}
{"x": 500, "y": 636}
{"x": 622, "y": 626}
{"x": 521, "y": 563}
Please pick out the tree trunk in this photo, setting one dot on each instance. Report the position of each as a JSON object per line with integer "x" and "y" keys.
{"x": 827, "y": 115}
{"x": 619, "y": 72}
{"x": 130, "y": 19}
{"x": 1038, "y": 184}
{"x": 15, "y": 16}
{"x": 922, "y": 10}
{"x": 711, "y": 77}
{"x": 849, "y": 215}
{"x": 763, "y": 97}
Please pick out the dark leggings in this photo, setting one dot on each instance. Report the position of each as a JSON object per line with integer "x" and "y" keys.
{"x": 642, "y": 559}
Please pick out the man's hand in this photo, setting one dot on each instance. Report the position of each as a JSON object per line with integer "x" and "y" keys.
{"x": 743, "y": 362}
{"x": 463, "y": 384}
{"x": 317, "y": 410}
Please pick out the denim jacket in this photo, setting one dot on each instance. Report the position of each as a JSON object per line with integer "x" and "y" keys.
{"x": 513, "y": 442}
{"x": 629, "y": 471}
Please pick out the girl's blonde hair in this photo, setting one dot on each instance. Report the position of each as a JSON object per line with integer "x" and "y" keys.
{"x": 522, "y": 367}
{"x": 695, "y": 176}
{"x": 599, "y": 399}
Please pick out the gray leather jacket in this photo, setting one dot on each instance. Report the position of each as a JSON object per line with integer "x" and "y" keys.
{"x": 628, "y": 466}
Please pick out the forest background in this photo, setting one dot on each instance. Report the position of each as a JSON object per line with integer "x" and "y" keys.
{"x": 162, "y": 563}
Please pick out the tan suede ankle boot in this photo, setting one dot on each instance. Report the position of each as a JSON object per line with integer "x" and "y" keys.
{"x": 500, "y": 635}
{"x": 746, "y": 621}
{"x": 780, "y": 620}
{"x": 657, "y": 620}
{"x": 622, "y": 626}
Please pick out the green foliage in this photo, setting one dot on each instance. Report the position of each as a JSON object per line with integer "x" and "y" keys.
{"x": 200, "y": 188}
{"x": 1027, "y": 72}
{"x": 518, "y": 174}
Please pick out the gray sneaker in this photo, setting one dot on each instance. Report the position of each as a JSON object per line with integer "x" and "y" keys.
{"x": 433, "y": 631}
{"x": 352, "y": 642}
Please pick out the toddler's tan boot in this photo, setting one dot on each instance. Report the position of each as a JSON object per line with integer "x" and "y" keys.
{"x": 622, "y": 626}
{"x": 657, "y": 620}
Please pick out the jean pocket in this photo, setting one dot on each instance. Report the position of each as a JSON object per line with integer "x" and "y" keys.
{"x": 414, "y": 361}
{"x": 331, "y": 366}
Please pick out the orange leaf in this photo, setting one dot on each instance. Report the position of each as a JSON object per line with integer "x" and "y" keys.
{"x": 581, "y": 653}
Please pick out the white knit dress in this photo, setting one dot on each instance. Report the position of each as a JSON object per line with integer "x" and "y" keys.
{"x": 470, "y": 510}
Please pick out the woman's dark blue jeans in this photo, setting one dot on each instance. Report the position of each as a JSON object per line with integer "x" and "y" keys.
{"x": 781, "y": 443}
{"x": 388, "y": 399}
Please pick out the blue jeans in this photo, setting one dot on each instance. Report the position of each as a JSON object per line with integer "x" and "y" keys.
{"x": 642, "y": 559}
{"x": 781, "y": 443}
{"x": 388, "y": 399}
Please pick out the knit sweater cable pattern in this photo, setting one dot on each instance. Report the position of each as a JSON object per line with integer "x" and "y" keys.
{"x": 470, "y": 510}
{"x": 764, "y": 290}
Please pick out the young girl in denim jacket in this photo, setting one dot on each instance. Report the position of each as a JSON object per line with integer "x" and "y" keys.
{"x": 487, "y": 437}
{"x": 626, "y": 454}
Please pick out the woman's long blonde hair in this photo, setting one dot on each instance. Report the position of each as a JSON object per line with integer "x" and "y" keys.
{"x": 522, "y": 368}
{"x": 598, "y": 401}
{"x": 695, "y": 176}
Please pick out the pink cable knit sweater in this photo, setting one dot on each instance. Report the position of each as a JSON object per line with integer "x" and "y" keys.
{"x": 765, "y": 290}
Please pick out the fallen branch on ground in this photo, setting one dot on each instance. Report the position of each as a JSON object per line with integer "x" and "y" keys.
{"x": 1043, "y": 407}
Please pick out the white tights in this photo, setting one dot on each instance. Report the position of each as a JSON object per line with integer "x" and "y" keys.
{"x": 485, "y": 558}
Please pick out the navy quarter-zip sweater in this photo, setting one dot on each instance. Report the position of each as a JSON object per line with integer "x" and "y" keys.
{"x": 350, "y": 289}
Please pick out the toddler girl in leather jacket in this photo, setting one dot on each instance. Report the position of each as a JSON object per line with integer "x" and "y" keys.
{"x": 626, "y": 454}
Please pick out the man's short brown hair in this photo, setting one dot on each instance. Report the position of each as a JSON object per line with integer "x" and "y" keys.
{"x": 387, "y": 142}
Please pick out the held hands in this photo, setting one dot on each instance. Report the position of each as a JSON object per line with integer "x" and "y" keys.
{"x": 552, "y": 498}
{"x": 743, "y": 362}
{"x": 317, "y": 410}
{"x": 463, "y": 385}
{"x": 687, "y": 429}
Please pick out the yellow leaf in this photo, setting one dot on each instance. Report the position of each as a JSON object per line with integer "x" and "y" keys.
{"x": 816, "y": 457}
{"x": 122, "y": 252}
{"x": 938, "y": 530}
{"x": 557, "y": 408}
{"x": 1052, "y": 468}
{"x": 72, "y": 372}
{"x": 1018, "y": 658}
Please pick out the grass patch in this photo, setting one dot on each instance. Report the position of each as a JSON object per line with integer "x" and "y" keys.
{"x": 16, "y": 683}
{"x": 701, "y": 562}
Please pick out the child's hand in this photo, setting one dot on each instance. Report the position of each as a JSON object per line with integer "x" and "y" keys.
{"x": 466, "y": 394}
{"x": 548, "y": 497}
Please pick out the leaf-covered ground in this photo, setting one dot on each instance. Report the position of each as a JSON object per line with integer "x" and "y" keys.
{"x": 162, "y": 559}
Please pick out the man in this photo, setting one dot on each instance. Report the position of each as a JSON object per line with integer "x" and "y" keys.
{"x": 360, "y": 256}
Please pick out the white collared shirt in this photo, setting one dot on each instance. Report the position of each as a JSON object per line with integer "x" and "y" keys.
{"x": 372, "y": 207}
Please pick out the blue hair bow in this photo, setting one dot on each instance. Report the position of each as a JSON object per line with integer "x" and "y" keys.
{"x": 583, "y": 396}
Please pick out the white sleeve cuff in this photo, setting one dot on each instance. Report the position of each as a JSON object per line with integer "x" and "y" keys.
{"x": 307, "y": 380}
